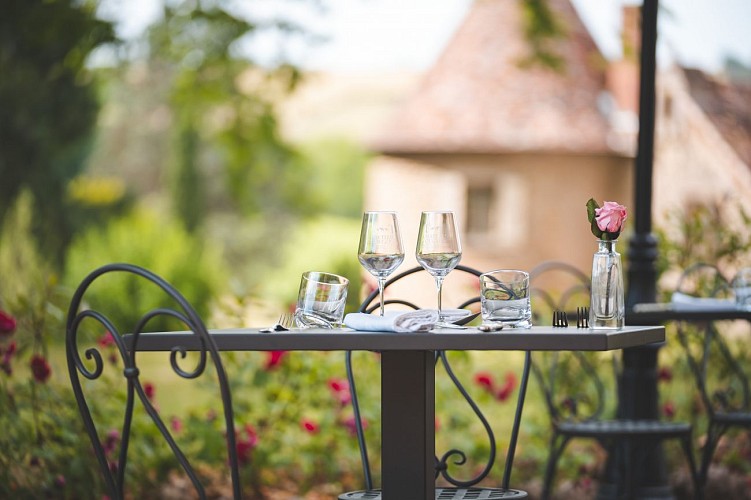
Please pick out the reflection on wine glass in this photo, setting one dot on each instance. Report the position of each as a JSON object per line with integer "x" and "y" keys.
{"x": 380, "y": 250}
{"x": 438, "y": 248}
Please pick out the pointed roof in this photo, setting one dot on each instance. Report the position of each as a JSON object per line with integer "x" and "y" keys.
{"x": 479, "y": 98}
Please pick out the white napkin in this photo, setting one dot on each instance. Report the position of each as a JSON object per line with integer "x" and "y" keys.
{"x": 421, "y": 320}
{"x": 684, "y": 302}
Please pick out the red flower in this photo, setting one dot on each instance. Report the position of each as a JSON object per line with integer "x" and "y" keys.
{"x": 309, "y": 425}
{"x": 507, "y": 388}
{"x": 338, "y": 384}
{"x": 437, "y": 424}
{"x": 112, "y": 438}
{"x": 484, "y": 380}
{"x": 7, "y": 324}
{"x": 7, "y": 357}
{"x": 40, "y": 368}
{"x": 245, "y": 444}
{"x": 149, "y": 390}
{"x": 665, "y": 374}
{"x": 106, "y": 340}
{"x": 60, "y": 481}
{"x": 668, "y": 409}
{"x": 349, "y": 423}
{"x": 274, "y": 359}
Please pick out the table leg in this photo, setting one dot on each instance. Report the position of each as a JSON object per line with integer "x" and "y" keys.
{"x": 408, "y": 425}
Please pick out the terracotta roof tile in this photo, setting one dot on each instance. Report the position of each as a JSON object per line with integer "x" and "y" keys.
{"x": 728, "y": 106}
{"x": 478, "y": 98}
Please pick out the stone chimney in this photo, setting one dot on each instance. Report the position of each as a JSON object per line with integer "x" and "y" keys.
{"x": 622, "y": 79}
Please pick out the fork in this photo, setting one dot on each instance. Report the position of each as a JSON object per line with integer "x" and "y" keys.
{"x": 282, "y": 324}
{"x": 560, "y": 320}
{"x": 582, "y": 317}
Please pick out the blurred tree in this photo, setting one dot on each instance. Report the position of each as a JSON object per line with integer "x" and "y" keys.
{"x": 48, "y": 106}
{"x": 222, "y": 107}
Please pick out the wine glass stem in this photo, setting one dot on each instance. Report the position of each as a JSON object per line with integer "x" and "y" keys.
{"x": 439, "y": 286}
{"x": 381, "y": 282}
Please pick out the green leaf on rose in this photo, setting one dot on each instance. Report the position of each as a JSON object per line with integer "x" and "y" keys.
{"x": 592, "y": 205}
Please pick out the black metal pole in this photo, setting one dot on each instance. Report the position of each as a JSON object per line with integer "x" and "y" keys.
{"x": 637, "y": 395}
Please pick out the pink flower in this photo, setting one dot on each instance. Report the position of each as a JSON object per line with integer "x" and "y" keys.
{"x": 349, "y": 423}
{"x": 340, "y": 389}
{"x": 40, "y": 368}
{"x": 7, "y": 324}
{"x": 309, "y": 425}
{"x": 149, "y": 390}
{"x": 106, "y": 340}
{"x": 60, "y": 481}
{"x": 274, "y": 359}
{"x": 610, "y": 217}
{"x": 176, "y": 424}
{"x": 484, "y": 380}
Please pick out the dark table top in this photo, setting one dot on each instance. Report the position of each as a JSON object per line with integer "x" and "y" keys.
{"x": 655, "y": 313}
{"x": 537, "y": 338}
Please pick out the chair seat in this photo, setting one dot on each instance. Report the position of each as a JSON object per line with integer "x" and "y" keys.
{"x": 447, "y": 494}
{"x": 733, "y": 418}
{"x": 624, "y": 428}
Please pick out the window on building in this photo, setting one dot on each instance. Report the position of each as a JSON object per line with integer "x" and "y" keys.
{"x": 479, "y": 206}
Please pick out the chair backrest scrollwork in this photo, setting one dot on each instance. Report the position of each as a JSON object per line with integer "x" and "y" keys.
{"x": 453, "y": 456}
{"x": 126, "y": 342}
{"x": 570, "y": 381}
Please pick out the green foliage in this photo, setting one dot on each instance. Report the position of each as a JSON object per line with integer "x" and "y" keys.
{"x": 142, "y": 238}
{"x": 49, "y": 106}
{"x": 224, "y": 117}
{"x": 337, "y": 169}
{"x": 542, "y": 29}
{"x": 718, "y": 233}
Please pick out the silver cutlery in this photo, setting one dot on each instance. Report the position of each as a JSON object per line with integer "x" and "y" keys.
{"x": 282, "y": 324}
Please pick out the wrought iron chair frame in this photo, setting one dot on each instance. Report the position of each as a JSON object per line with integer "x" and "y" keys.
{"x": 722, "y": 420}
{"x": 461, "y": 487}
{"x": 607, "y": 432}
{"x": 115, "y": 482}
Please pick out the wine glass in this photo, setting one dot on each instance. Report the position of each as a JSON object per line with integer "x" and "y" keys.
{"x": 380, "y": 250}
{"x": 438, "y": 248}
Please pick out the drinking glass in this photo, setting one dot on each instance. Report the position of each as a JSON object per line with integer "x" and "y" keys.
{"x": 742, "y": 289}
{"x": 321, "y": 300}
{"x": 438, "y": 248}
{"x": 380, "y": 250}
{"x": 504, "y": 296}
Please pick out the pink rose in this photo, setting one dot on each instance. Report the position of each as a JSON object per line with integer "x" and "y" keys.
{"x": 610, "y": 217}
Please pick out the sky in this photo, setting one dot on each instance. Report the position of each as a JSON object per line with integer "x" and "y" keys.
{"x": 408, "y": 35}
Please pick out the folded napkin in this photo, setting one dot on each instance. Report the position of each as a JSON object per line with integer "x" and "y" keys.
{"x": 421, "y": 320}
{"x": 684, "y": 302}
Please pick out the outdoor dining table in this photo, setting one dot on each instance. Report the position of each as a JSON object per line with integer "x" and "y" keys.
{"x": 408, "y": 377}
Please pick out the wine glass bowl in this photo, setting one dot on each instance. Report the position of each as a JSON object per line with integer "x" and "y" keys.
{"x": 438, "y": 247}
{"x": 380, "y": 251}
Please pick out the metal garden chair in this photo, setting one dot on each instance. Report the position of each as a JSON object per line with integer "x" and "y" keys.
{"x": 82, "y": 319}
{"x": 461, "y": 489}
{"x": 717, "y": 366}
{"x": 574, "y": 392}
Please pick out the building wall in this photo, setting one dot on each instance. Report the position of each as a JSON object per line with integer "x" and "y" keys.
{"x": 537, "y": 212}
{"x": 693, "y": 163}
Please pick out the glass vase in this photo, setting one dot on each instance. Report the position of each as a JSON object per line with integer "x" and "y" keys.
{"x": 607, "y": 305}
